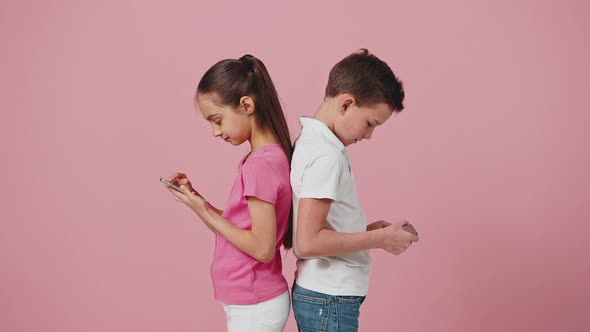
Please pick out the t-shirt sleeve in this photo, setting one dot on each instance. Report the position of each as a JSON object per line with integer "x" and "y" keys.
{"x": 321, "y": 177}
{"x": 260, "y": 180}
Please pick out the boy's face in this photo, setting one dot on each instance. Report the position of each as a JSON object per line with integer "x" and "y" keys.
{"x": 355, "y": 123}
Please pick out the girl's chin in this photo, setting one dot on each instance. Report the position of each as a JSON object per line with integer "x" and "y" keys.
{"x": 234, "y": 142}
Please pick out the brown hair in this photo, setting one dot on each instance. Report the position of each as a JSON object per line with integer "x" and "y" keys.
{"x": 229, "y": 80}
{"x": 368, "y": 79}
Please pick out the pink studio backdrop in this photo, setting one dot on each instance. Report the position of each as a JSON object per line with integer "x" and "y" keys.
{"x": 489, "y": 160}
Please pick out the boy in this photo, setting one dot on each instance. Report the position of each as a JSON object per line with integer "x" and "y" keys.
{"x": 331, "y": 237}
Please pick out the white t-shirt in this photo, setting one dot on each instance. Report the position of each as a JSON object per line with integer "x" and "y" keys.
{"x": 320, "y": 168}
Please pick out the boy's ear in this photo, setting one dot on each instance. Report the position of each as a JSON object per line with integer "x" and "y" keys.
{"x": 346, "y": 101}
{"x": 247, "y": 105}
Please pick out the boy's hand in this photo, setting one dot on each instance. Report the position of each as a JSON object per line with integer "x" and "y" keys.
{"x": 377, "y": 225}
{"x": 396, "y": 239}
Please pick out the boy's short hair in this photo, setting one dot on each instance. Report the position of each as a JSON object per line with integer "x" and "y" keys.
{"x": 368, "y": 79}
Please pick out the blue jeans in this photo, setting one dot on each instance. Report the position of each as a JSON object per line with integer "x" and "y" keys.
{"x": 317, "y": 312}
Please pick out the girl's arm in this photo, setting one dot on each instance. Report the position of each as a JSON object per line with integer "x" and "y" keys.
{"x": 209, "y": 206}
{"x": 214, "y": 209}
{"x": 180, "y": 179}
{"x": 258, "y": 242}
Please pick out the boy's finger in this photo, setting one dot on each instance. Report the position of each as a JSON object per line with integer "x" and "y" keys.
{"x": 400, "y": 224}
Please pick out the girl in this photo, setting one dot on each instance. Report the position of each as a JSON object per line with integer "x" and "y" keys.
{"x": 239, "y": 99}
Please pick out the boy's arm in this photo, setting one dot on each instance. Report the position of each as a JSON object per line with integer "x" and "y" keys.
{"x": 314, "y": 239}
{"x": 320, "y": 183}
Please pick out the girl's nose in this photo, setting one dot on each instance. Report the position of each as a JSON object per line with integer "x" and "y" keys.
{"x": 216, "y": 132}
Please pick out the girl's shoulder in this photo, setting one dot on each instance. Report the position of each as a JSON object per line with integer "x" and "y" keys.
{"x": 270, "y": 160}
{"x": 271, "y": 153}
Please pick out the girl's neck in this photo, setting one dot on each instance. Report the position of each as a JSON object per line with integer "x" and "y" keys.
{"x": 260, "y": 138}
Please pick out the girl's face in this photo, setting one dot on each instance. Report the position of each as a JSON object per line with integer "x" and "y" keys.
{"x": 233, "y": 125}
{"x": 355, "y": 123}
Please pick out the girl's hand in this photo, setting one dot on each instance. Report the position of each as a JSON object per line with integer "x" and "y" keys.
{"x": 189, "y": 195}
{"x": 180, "y": 179}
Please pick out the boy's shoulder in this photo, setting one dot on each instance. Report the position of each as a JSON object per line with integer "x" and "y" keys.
{"x": 315, "y": 142}
{"x": 308, "y": 151}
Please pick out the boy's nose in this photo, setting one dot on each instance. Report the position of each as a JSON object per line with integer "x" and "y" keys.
{"x": 368, "y": 133}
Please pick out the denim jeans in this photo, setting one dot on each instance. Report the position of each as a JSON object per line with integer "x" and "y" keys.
{"x": 317, "y": 312}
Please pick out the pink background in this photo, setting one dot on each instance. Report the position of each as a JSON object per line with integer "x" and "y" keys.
{"x": 489, "y": 160}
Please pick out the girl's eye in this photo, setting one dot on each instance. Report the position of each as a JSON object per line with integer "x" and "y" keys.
{"x": 218, "y": 123}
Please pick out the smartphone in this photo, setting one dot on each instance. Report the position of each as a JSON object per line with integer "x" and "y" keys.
{"x": 170, "y": 184}
{"x": 410, "y": 228}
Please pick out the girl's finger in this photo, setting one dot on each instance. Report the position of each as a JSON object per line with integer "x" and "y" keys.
{"x": 185, "y": 189}
{"x": 173, "y": 176}
{"x": 176, "y": 194}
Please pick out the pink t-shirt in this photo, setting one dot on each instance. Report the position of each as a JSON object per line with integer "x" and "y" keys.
{"x": 237, "y": 277}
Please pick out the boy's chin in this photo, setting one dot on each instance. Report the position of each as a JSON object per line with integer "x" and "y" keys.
{"x": 349, "y": 143}
{"x": 354, "y": 141}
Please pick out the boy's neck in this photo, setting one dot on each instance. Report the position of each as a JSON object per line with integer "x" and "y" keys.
{"x": 327, "y": 113}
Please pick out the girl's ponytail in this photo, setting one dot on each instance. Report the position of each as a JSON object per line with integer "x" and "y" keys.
{"x": 269, "y": 114}
{"x": 230, "y": 80}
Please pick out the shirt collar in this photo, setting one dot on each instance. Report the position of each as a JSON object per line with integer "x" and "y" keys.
{"x": 320, "y": 127}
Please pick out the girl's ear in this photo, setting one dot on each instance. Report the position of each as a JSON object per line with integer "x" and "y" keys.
{"x": 247, "y": 105}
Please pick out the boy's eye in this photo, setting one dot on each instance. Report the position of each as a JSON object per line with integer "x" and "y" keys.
{"x": 369, "y": 124}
